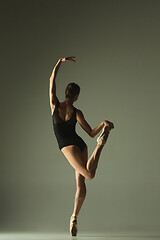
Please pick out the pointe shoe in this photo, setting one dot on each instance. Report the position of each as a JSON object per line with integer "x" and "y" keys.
{"x": 73, "y": 226}
{"x": 101, "y": 140}
{"x": 110, "y": 124}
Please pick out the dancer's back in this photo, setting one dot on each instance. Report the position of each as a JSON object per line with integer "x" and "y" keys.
{"x": 65, "y": 129}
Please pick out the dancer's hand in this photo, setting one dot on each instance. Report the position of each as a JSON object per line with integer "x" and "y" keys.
{"x": 108, "y": 123}
{"x": 67, "y": 59}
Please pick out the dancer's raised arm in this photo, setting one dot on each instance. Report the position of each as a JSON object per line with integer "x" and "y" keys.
{"x": 52, "y": 89}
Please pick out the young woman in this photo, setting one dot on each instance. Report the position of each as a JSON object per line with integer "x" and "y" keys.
{"x": 65, "y": 116}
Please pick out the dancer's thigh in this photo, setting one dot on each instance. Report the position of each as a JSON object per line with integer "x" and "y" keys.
{"x": 80, "y": 179}
{"x": 77, "y": 159}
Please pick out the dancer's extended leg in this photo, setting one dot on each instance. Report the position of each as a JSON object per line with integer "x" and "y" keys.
{"x": 74, "y": 156}
{"x": 93, "y": 161}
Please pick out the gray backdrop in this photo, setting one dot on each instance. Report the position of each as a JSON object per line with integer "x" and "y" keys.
{"x": 116, "y": 44}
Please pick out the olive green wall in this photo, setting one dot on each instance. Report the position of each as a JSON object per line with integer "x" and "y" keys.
{"x": 116, "y": 44}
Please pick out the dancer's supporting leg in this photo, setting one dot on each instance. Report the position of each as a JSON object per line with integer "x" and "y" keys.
{"x": 91, "y": 166}
{"x": 80, "y": 194}
{"x": 80, "y": 186}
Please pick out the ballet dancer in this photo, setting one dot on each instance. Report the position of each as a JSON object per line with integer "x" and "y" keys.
{"x": 64, "y": 117}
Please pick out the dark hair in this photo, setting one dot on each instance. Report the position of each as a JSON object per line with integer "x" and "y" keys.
{"x": 72, "y": 90}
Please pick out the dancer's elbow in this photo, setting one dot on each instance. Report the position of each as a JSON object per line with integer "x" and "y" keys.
{"x": 91, "y": 134}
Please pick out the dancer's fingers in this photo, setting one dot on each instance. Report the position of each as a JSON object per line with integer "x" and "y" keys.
{"x": 70, "y": 59}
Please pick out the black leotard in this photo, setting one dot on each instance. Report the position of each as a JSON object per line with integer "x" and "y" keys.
{"x": 65, "y": 130}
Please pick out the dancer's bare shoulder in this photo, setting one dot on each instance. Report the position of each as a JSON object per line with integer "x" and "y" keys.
{"x": 79, "y": 114}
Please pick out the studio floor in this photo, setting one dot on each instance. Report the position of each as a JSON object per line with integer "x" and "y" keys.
{"x": 81, "y": 236}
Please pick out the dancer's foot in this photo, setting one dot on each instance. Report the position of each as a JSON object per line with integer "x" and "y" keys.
{"x": 110, "y": 124}
{"x": 101, "y": 140}
{"x": 73, "y": 226}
